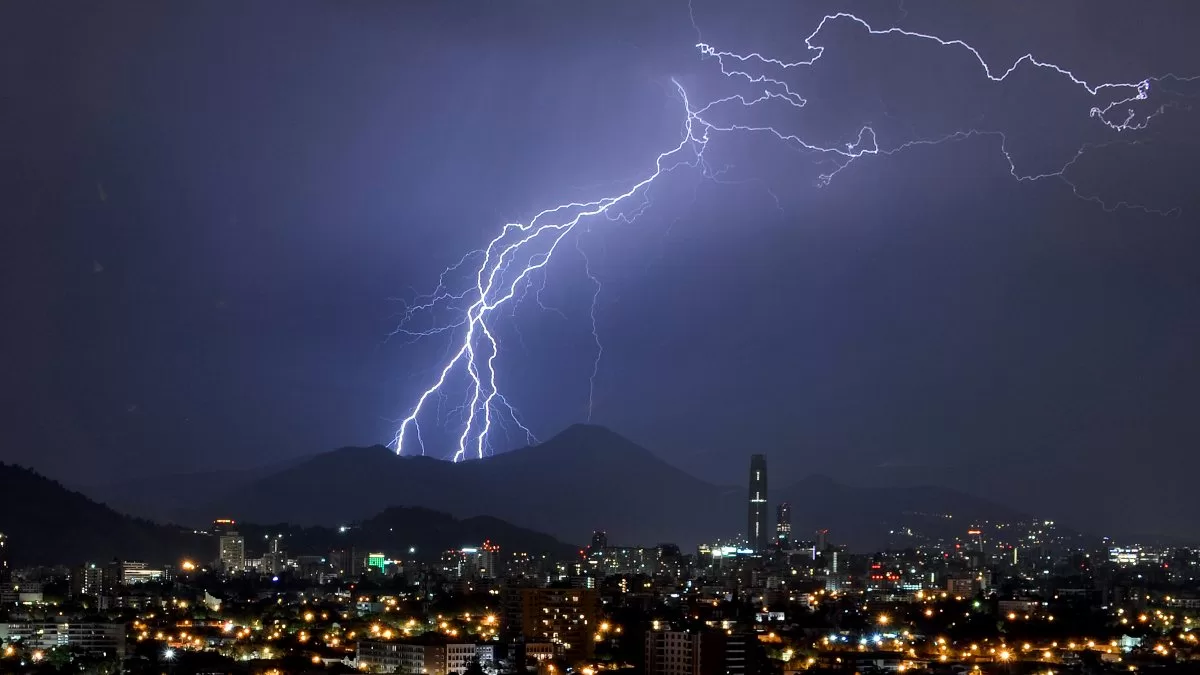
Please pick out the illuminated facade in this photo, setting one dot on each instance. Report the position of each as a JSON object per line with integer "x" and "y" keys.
{"x": 137, "y": 572}
{"x": 756, "y": 522}
{"x": 106, "y": 639}
{"x": 783, "y": 526}
{"x": 422, "y": 656}
{"x": 672, "y": 652}
{"x": 564, "y": 616}
{"x": 231, "y": 547}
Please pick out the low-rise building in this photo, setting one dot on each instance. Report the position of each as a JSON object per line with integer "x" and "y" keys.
{"x": 106, "y": 639}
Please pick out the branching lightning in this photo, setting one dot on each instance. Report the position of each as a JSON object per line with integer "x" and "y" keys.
{"x": 515, "y": 260}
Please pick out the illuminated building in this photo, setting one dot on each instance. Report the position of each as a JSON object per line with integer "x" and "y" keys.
{"x": 21, "y": 592}
{"x": 377, "y": 561}
{"x": 718, "y": 556}
{"x": 459, "y": 657}
{"x": 783, "y": 526}
{"x": 962, "y": 586}
{"x": 756, "y": 522}
{"x": 489, "y": 555}
{"x": 4, "y": 572}
{"x": 453, "y": 563}
{"x": 1124, "y": 557}
{"x": 744, "y": 654}
{"x": 976, "y": 535}
{"x": 599, "y": 542}
{"x": 623, "y": 560}
{"x": 87, "y": 579}
{"x": 345, "y": 563}
{"x": 231, "y": 547}
{"x": 672, "y": 652}
{"x": 136, "y": 572}
{"x": 425, "y": 656}
{"x": 275, "y": 559}
{"x": 106, "y": 639}
{"x": 822, "y": 540}
{"x": 471, "y": 562}
{"x": 565, "y": 616}
{"x": 704, "y": 652}
{"x": 429, "y": 654}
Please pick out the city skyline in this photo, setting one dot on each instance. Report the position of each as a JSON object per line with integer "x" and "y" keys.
{"x": 671, "y": 337}
{"x": 1032, "y": 595}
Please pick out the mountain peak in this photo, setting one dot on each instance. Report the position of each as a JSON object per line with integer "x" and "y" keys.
{"x": 589, "y": 439}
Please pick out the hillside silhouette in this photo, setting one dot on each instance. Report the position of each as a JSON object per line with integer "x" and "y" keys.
{"x": 49, "y": 524}
{"x": 585, "y": 478}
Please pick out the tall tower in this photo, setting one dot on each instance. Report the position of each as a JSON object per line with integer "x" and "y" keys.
{"x": 756, "y": 526}
{"x": 3, "y": 557}
{"x": 599, "y": 541}
{"x": 783, "y": 526}
{"x": 231, "y": 547}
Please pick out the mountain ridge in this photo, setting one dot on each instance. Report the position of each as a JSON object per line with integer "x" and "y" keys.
{"x": 47, "y": 523}
{"x": 586, "y": 477}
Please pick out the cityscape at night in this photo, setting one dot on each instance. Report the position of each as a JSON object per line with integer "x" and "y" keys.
{"x": 636, "y": 337}
{"x": 1026, "y": 596}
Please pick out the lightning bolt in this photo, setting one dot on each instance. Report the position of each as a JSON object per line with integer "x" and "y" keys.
{"x": 502, "y": 272}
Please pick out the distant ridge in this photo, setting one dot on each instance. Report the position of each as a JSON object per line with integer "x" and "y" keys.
{"x": 48, "y": 524}
{"x": 587, "y": 477}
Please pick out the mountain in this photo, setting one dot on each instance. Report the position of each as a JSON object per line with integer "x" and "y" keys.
{"x": 49, "y": 524}
{"x": 585, "y": 478}
{"x": 166, "y": 498}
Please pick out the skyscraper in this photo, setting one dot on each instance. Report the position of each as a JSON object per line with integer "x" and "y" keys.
{"x": 599, "y": 541}
{"x": 275, "y": 559}
{"x": 756, "y": 526}
{"x": 3, "y": 557}
{"x": 489, "y": 558}
{"x": 231, "y": 547}
{"x": 783, "y": 525}
{"x": 566, "y": 616}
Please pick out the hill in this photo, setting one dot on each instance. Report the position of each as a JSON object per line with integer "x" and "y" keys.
{"x": 48, "y": 524}
{"x": 166, "y": 498}
{"x": 585, "y": 478}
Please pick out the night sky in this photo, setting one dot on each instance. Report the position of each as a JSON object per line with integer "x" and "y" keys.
{"x": 212, "y": 211}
